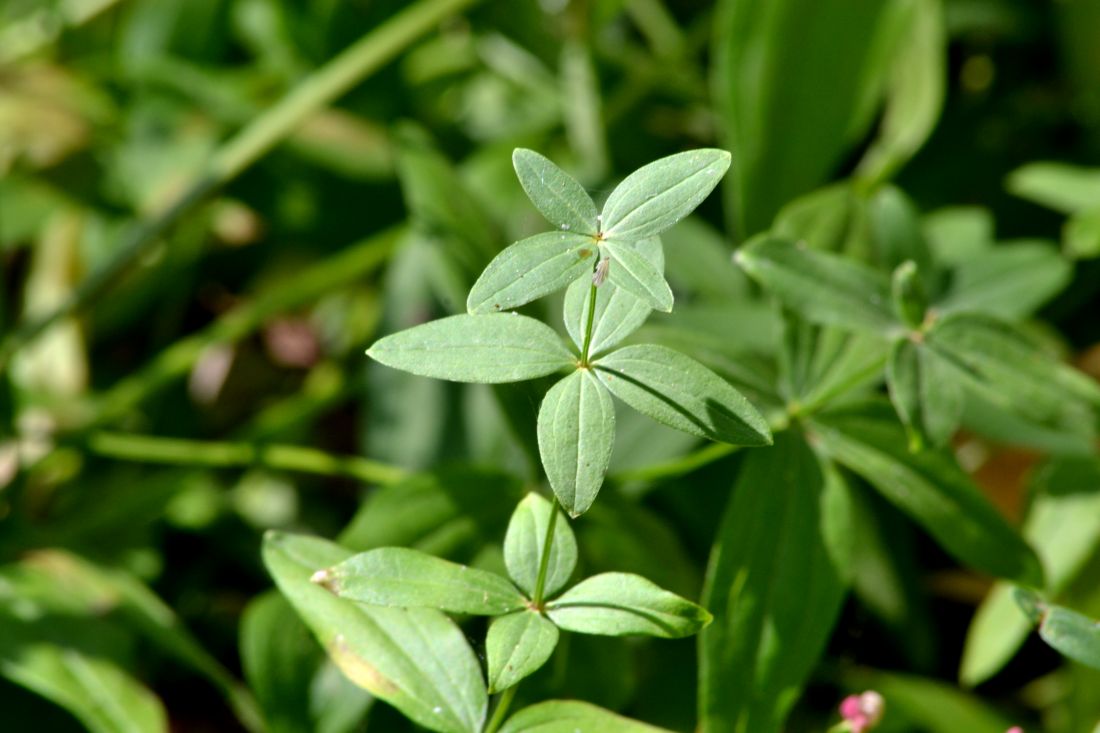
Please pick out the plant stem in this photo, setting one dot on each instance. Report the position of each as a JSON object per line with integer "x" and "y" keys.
{"x": 544, "y": 561}
{"x": 501, "y": 709}
{"x": 174, "y": 451}
{"x": 331, "y": 81}
{"x": 588, "y": 324}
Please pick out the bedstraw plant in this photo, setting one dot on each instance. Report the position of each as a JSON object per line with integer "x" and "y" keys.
{"x": 382, "y": 613}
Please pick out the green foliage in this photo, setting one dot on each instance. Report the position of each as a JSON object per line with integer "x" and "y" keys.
{"x": 851, "y": 391}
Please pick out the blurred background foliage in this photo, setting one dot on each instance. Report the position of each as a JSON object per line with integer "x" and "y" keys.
{"x": 209, "y": 208}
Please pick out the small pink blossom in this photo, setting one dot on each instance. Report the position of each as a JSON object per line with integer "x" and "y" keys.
{"x": 862, "y": 712}
{"x": 1015, "y": 729}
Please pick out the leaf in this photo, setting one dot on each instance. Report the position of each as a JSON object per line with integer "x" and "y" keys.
{"x": 283, "y": 667}
{"x": 915, "y": 92}
{"x": 1066, "y": 188}
{"x": 530, "y": 269}
{"x": 618, "y": 312}
{"x": 524, "y": 541}
{"x": 1081, "y": 234}
{"x": 571, "y": 716}
{"x": 926, "y": 395}
{"x": 518, "y": 644}
{"x": 61, "y": 638}
{"x": 635, "y": 274}
{"x": 1009, "y": 370}
{"x": 555, "y": 193}
{"x": 1072, "y": 634}
{"x": 775, "y": 584}
{"x": 682, "y": 393}
{"x": 416, "y": 659}
{"x": 398, "y": 576}
{"x": 930, "y": 488}
{"x": 700, "y": 263}
{"x": 1063, "y": 525}
{"x": 576, "y": 428}
{"x": 1011, "y": 281}
{"x": 822, "y": 287}
{"x": 657, "y": 195}
{"x": 616, "y": 604}
{"x": 503, "y": 347}
{"x": 793, "y": 117}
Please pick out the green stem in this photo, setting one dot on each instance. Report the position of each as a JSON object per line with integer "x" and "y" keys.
{"x": 174, "y": 451}
{"x": 353, "y": 263}
{"x": 501, "y": 709}
{"x": 544, "y": 561}
{"x": 588, "y": 325}
{"x": 325, "y": 85}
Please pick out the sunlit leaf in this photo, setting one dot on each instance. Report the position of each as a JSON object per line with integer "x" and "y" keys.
{"x": 616, "y": 604}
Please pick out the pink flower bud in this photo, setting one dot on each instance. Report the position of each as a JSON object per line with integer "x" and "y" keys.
{"x": 1015, "y": 729}
{"x": 862, "y": 712}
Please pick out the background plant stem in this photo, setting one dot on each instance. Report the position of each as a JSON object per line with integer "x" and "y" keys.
{"x": 501, "y": 709}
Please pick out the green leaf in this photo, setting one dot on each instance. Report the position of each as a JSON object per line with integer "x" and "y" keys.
{"x": 576, "y": 428}
{"x": 1066, "y": 188}
{"x": 398, "y": 576}
{"x": 1009, "y": 370}
{"x": 503, "y": 347}
{"x": 618, "y": 312}
{"x": 822, "y": 287}
{"x": 925, "y": 393}
{"x": 524, "y": 541}
{"x": 1063, "y": 525}
{"x": 1081, "y": 234}
{"x": 656, "y": 196}
{"x": 1072, "y": 634}
{"x": 915, "y": 92}
{"x": 616, "y": 604}
{"x": 775, "y": 584}
{"x": 290, "y": 675}
{"x": 793, "y": 117}
{"x": 635, "y": 274}
{"x": 555, "y": 193}
{"x": 907, "y": 290}
{"x": 517, "y": 645}
{"x": 416, "y": 659}
{"x": 682, "y": 393}
{"x": 930, "y": 488}
{"x": 1011, "y": 281}
{"x": 571, "y": 716}
{"x": 530, "y": 269}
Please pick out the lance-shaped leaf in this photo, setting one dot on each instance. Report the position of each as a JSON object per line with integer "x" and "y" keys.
{"x": 516, "y": 646}
{"x": 1073, "y": 634}
{"x": 775, "y": 585}
{"x": 398, "y": 576}
{"x": 632, "y": 272}
{"x": 678, "y": 391}
{"x": 491, "y": 349}
{"x": 576, "y": 430}
{"x": 932, "y": 489}
{"x": 1059, "y": 186}
{"x": 1008, "y": 370}
{"x": 524, "y": 540}
{"x": 1011, "y": 281}
{"x": 571, "y": 716}
{"x": 416, "y": 659}
{"x": 530, "y": 269}
{"x": 555, "y": 193}
{"x": 925, "y": 392}
{"x": 1063, "y": 525}
{"x": 656, "y": 196}
{"x": 822, "y": 287}
{"x": 619, "y": 312}
{"x": 617, "y": 604}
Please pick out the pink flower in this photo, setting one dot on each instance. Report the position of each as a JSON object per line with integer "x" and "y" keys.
{"x": 1015, "y": 729}
{"x": 863, "y": 712}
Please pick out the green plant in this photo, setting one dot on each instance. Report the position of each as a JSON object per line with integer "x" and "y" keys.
{"x": 611, "y": 263}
